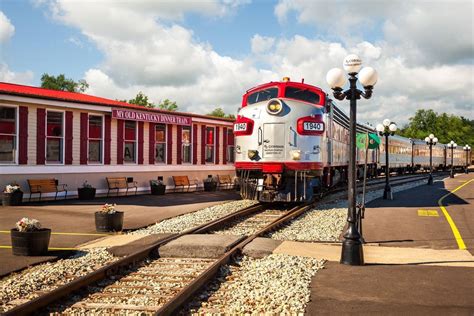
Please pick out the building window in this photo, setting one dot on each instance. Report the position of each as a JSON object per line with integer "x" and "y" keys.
{"x": 210, "y": 143}
{"x": 95, "y": 138}
{"x": 230, "y": 146}
{"x": 54, "y": 137}
{"x": 130, "y": 143}
{"x": 186, "y": 144}
{"x": 8, "y": 136}
{"x": 160, "y": 143}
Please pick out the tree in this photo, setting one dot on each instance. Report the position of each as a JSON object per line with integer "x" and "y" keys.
{"x": 219, "y": 112}
{"x": 445, "y": 127}
{"x": 142, "y": 100}
{"x": 168, "y": 105}
{"x": 63, "y": 84}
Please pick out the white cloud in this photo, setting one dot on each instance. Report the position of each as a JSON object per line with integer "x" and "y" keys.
{"x": 6, "y": 75}
{"x": 6, "y": 28}
{"x": 261, "y": 44}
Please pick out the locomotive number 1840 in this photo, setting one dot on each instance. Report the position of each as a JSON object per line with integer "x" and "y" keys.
{"x": 313, "y": 126}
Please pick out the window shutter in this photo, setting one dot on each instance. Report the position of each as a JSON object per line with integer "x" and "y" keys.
{"x": 68, "y": 138}
{"x": 23, "y": 136}
{"x": 40, "y": 136}
{"x": 140, "y": 143}
{"x": 84, "y": 138}
{"x": 203, "y": 144}
{"x": 120, "y": 126}
{"x": 217, "y": 145}
{"x": 179, "y": 144}
{"x": 195, "y": 148}
{"x": 224, "y": 145}
{"x": 169, "y": 144}
{"x": 107, "y": 139}
{"x": 151, "y": 136}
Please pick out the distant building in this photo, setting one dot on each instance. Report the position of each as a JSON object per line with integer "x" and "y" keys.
{"x": 76, "y": 137}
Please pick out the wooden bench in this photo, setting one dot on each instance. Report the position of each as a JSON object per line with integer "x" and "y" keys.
{"x": 117, "y": 183}
{"x": 183, "y": 181}
{"x": 225, "y": 181}
{"x": 46, "y": 186}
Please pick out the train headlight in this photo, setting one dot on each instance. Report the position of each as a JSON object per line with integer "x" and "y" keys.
{"x": 274, "y": 107}
{"x": 295, "y": 154}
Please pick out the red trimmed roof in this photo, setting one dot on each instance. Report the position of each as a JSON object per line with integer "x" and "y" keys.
{"x": 36, "y": 92}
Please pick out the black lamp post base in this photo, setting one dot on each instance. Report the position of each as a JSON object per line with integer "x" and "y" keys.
{"x": 451, "y": 173}
{"x": 466, "y": 170}
{"x": 352, "y": 252}
{"x": 430, "y": 180}
{"x": 387, "y": 192}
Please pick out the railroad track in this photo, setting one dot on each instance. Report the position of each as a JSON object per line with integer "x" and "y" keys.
{"x": 164, "y": 283}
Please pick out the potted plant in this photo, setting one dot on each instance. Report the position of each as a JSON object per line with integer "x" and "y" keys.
{"x": 210, "y": 184}
{"x": 29, "y": 239}
{"x": 87, "y": 192}
{"x": 12, "y": 195}
{"x": 157, "y": 186}
{"x": 108, "y": 219}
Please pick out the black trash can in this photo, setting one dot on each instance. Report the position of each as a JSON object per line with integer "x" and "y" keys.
{"x": 34, "y": 243}
{"x": 86, "y": 193}
{"x": 158, "y": 189}
{"x": 105, "y": 222}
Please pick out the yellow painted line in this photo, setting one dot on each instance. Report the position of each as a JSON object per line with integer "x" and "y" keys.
{"x": 455, "y": 230}
{"x": 68, "y": 234}
{"x": 428, "y": 213}
{"x": 53, "y": 248}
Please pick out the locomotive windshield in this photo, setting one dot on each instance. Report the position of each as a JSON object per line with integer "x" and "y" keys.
{"x": 302, "y": 94}
{"x": 262, "y": 95}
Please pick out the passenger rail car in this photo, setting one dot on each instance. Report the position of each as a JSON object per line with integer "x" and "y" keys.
{"x": 421, "y": 155}
{"x": 400, "y": 154}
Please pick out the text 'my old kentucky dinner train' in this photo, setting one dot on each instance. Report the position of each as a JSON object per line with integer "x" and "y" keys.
{"x": 292, "y": 142}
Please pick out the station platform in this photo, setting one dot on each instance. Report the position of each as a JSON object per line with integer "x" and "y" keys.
{"x": 431, "y": 270}
{"x": 72, "y": 221}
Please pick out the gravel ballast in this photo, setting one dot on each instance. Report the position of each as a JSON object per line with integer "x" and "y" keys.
{"x": 187, "y": 221}
{"x": 276, "y": 284}
{"x": 48, "y": 276}
{"x": 326, "y": 222}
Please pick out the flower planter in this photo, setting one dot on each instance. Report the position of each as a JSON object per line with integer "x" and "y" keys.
{"x": 14, "y": 198}
{"x": 33, "y": 243}
{"x": 159, "y": 189}
{"x": 105, "y": 222}
{"x": 210, "y": 186}
{"x": 86, "y": 193}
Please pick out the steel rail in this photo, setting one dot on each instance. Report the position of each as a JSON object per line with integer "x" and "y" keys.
{"x": 188, "y": 291}
{"x": 150, "y": 251}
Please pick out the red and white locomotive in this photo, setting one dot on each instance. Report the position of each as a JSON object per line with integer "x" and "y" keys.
{"x": 291, "y": 141}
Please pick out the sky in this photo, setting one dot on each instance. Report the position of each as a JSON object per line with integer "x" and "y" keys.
{"x": 205, "y": 54}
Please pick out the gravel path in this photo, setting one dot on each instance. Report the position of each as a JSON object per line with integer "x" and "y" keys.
{"x": 326, "y": 222}
{"x": 274, "y": 285}
{"x": 26, "y": 284}
{"x": 183, "y": 222}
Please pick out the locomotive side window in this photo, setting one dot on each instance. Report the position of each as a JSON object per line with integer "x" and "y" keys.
{"x": 262, "y": 95}
{"x": 302, "y": 94}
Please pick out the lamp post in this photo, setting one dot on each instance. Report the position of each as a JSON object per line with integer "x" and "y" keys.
{"x": 467, "y": 149}
{"x": 387, "y": 128}
{"x": 352, "y": 252}
{"x": 430, "y": 141}
{"x": 452, "y": 145}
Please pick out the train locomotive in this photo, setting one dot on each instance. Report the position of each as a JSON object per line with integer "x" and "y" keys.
{"x": 292, "y": 143}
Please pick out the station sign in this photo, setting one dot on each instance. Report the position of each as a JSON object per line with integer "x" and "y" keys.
{"x": 150, "y": 117}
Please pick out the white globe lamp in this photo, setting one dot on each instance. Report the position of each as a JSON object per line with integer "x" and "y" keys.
{"x": 368, "y": 76}
{"x": 352, "y": 64}
{"x": 336, "y": 78}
